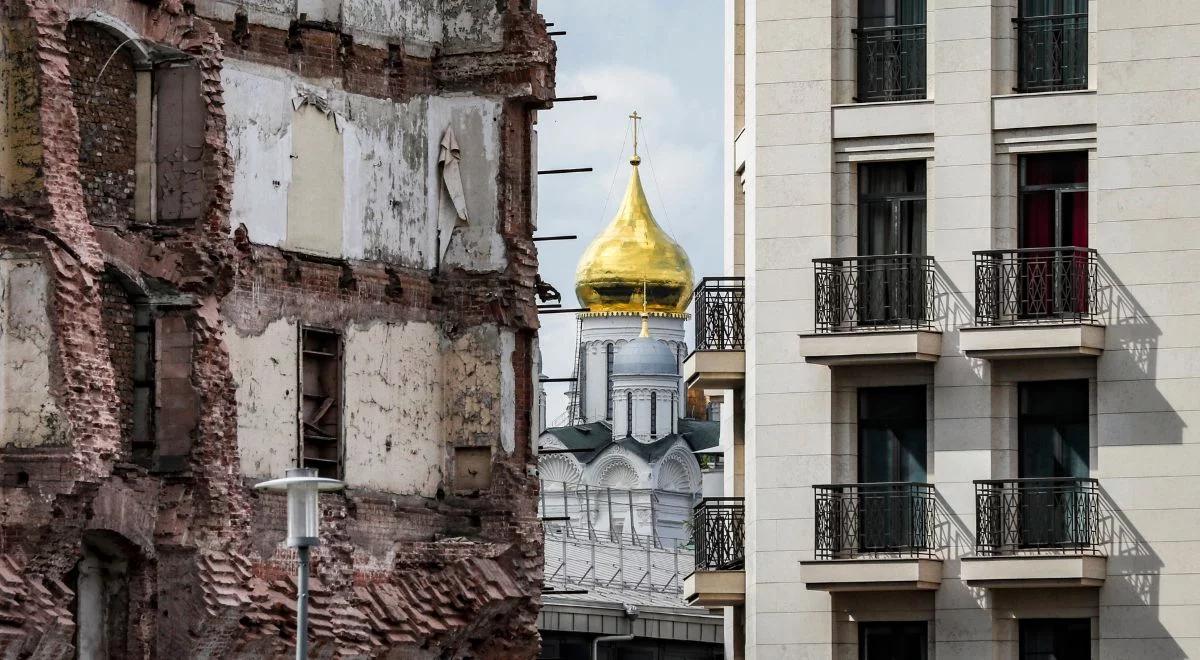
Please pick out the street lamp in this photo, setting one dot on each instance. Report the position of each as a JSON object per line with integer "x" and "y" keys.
{"x": 304, "y": 518}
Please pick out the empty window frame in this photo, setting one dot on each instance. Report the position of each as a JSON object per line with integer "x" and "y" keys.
{"x": 321, "y": 401}
{"x": 654, "y": 414}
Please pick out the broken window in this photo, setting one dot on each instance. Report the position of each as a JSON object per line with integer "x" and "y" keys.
{"x": 321, "y": 401}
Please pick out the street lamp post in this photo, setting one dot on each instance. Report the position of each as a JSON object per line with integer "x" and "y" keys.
{"x": 302, "y": 486}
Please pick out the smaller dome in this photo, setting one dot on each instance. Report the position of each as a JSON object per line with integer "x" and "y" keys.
{"x": 645, "y": 357}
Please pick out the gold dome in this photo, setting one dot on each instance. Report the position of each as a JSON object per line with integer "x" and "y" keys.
{"x": 633, "y": 254}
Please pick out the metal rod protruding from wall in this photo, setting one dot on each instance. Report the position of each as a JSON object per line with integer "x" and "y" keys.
{"x": 302, "y": 604}
{"x": 567, "y": 170}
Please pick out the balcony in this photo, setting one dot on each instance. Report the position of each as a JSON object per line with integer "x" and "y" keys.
{"x": 873, "y": 310}
{"x": 874, "y": 537}
{"x": 1052, "y": 53}
{"x": 1034, "y": 303}
{"x": 719, "y": 360}
{"x": 1036, "y": 533}
{"x": 891, "y": 63}
{"x": 718, "y": 531}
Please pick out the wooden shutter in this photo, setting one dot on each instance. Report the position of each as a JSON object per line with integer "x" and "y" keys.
{"x": 179, "y": 150}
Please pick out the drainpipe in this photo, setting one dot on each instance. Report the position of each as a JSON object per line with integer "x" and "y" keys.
{"x": 631, "y": 613}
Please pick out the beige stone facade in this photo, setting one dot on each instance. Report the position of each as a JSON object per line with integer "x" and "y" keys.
{"x": 799, "y": 132}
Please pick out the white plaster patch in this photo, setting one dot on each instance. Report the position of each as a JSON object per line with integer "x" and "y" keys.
{"x": 393, "y": 424}
{"x": 508, "y": 391}
{"x": 259, "y": 111}
{"x": 264, "y": 369}
{"x": 30, "y": 415}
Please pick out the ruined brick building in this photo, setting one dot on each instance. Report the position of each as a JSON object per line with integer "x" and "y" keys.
{"x": 238, "y": 236}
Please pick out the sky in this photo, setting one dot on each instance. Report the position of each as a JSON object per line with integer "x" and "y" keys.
{"x": 663, "y": 58}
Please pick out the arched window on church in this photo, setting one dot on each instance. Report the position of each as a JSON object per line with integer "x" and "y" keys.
{"x": 629, "y": 413}
{"x": 608, "y": 369}
{"x": 654, "y": 414}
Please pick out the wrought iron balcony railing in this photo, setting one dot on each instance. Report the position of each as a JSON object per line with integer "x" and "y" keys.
{"x": 719, "y": 531}
{"x": 1037, "y": 515}
{"x": 886, "y": 292}
{"x": 874, "y": 520}
{"x": 1052, "y": 53}
{"x": 891, "y": 63}
{"x": 1036, "y": 285}
{"x": 720, "y": 311}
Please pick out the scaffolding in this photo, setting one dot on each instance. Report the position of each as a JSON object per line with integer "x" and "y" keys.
{"x": 630, "y": 539}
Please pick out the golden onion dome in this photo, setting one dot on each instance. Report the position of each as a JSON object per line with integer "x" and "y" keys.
{"x": 633, "y": 254}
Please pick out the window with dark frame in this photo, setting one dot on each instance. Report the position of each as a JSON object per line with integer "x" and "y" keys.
{"x": 890, "y": 275}
{"x": 1052, "y": 50}
{"x": 321, "y": 401}
{"x": 1053, "y": 207}
{"x": 1053, "y": 441}
{"x": 654, "y": 414}
{"x": 893, "y": 640}
{"x": 629, "y": 413}
{"x": 890, "y": 45}
{"x": 609, "y": 353}
{"x": 891, "y": 457}
{"x": 1055, "y": 639}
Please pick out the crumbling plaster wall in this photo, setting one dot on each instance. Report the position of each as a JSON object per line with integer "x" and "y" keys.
{"x": 30, "y": 414}
{"x": 265, "y": 373}
{"x": 392, "y": 195}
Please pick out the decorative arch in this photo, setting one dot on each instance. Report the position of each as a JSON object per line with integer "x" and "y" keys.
{"x": 678, "y": 471}
{"x": 617, "y": 472}
{"x": 557, "y": 470}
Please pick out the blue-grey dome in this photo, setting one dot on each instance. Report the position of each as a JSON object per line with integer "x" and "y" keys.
{"x": 645, "y": 357}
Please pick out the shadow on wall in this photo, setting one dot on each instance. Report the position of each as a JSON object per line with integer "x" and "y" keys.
{"x": 952, "y": 538}
{"x": 949, "y": 307}
{"x": 1151, "y": 420}
{"x": 1134, "y": 576}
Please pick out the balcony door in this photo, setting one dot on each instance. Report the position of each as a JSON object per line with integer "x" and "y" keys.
{"x": 1053, "y": 445}
{"x": 1054, "y": 217}
{"x": 888, "y": 640}
{"x": 891, "y": 50}
{"x": 1055, "y": 639}
{"x": 891, "y": 457}
{"x": 891, "y": 233}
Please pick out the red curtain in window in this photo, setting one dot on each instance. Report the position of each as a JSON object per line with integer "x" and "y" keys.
{"x": 1053, "y": 282}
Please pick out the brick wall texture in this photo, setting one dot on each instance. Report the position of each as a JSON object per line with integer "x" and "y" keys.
{"x": 201, "y": 570}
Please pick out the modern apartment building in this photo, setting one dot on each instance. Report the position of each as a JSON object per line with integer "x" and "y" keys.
{"x": 961, "y": 371}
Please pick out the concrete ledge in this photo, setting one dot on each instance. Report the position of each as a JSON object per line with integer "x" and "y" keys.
{"x": 878, "y": 347}
{"x": 715, "y": 588}
{"x": 882, "y": 119}
{"x": 718, "y": 370}
{"x": 910, "y": 574}
{"x": 1039, "y": 110}
{"x": 1032, "y": 571}
{"x": 1032, "y": 341}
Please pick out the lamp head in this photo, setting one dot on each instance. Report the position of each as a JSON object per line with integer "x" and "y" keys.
{"x": 302, "y": 486}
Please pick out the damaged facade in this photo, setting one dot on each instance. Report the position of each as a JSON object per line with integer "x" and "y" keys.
{"x": 238, "y": 237}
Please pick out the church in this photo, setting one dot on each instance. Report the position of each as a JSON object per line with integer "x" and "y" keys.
{"x": 628, "y": 408}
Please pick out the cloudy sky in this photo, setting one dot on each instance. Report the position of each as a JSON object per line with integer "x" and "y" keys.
{"x": 664, "y": 59}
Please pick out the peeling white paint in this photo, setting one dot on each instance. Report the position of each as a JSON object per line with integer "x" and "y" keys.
{"x": 30, "y": 415}
{"x": 260, "y": 142}
{"x": 508, "y": 392}
{"x": 393, "y": 420}
{"x": 392, "y": 195}
{"x": 264, "y": 369}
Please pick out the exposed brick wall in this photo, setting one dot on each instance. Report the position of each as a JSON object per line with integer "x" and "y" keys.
{"x": 452, "y": 577}
{"x": 106, "y": 102}
{"x": 118, "y": 330}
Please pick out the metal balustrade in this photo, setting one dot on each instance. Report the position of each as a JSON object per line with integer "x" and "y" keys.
{"x": 1052, "y": 53}
{"x": 875, "y": 520}
{"x": 719, "y": 531}
{"x": 1036, "y": 285}
{"x": 886, "y": 292}
{"x": 720, "y": 314}
{"x": 1037, "y": 515}
{"x": 891, "y": 63}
